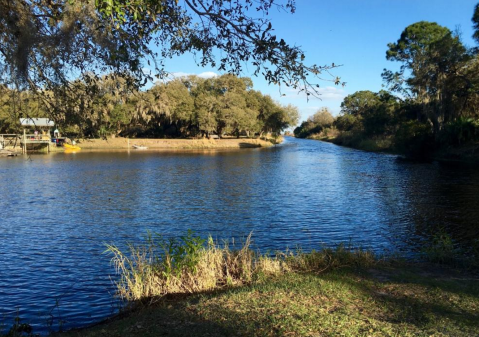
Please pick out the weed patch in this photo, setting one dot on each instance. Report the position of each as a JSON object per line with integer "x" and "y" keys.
{"x": 191, "y": 265}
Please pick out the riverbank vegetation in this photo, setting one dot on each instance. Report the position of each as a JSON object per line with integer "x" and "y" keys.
{"x": 430, "y": 107}
{"x": 184, "y": 107}
{"x": 385, "y": 301}
{"x": 195, "y": 287}
{"x": 192, "y": 264}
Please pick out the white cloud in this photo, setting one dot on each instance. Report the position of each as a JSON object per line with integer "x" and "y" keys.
{"x": 208, "y": 74}
{"x": 179, "y": 74}
{"x": 332, "y": 93}
{"x": 324, "y": 94}
{"x": 312, "y": 108}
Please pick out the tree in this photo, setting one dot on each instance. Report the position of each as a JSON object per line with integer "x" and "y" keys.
{"x": 46, "y": 44}
{"x": 431, "y": 58}
{"x": 379, "y": 117}
{"x": 206, "y": 107}
{"x": 475, "y": 21}
{"x": 322, "y": 117}
{"x": 367, "y": 112}
{"x": 358, "y": 103}
{"x": 347, "y": 123}
{"x": 180, "y": 106}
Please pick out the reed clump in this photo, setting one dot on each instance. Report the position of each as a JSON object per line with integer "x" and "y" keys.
{"x": 191, "y": 264}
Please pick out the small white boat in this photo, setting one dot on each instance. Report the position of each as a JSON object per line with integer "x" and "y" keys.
{"x": 140, "y": 147}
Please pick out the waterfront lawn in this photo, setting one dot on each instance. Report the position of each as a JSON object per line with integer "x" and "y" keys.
{"x": 389, "y": 300}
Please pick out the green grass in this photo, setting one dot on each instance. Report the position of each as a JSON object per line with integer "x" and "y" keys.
{"x": 384, "y": 301}
{"x": 189, "y": 288}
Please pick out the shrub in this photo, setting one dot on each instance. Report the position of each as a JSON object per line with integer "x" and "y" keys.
{"x": 414, "y": 139}
{"x": 461, "y": 131}
{"x": 347, "y": 123}
{"x": 441, "y": 249}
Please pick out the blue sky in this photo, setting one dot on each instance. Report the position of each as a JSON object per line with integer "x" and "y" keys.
{"x": 353, "y": 33}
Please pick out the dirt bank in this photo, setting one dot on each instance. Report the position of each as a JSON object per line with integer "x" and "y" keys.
{"x": 122, "y": 143}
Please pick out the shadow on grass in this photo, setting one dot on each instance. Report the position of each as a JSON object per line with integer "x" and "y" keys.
{"x": 425, "y": 302}
{"x": 342, "y": 302}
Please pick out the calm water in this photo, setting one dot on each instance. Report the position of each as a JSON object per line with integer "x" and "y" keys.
{"x": 59, "y": 210}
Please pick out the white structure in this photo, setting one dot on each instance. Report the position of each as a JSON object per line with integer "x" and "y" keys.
{"x": 37, "y": 122}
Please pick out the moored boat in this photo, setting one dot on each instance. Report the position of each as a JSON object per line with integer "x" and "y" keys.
{"x": 140, "y": 147}
{"x": 70, "y": 147}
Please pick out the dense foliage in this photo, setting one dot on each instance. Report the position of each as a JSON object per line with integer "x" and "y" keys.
{"x": 432, "y": 102}
{"x": 47, "y": 45}
{"x": 190, "y": 106}
{"x": 315, "y": 124}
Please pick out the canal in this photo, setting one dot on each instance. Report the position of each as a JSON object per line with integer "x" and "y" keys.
{"x": 58, "y": 211}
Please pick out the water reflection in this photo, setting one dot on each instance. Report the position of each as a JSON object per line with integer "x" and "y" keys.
{"x": 62, "y": 209}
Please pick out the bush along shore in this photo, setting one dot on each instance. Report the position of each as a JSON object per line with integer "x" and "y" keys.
{"x": 413, "y": 146}
{"x": 196, "y": 287}
{"x": 429, "y": 110}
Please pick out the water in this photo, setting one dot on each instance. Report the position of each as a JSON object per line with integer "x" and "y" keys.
{"x": 58, "y": 211}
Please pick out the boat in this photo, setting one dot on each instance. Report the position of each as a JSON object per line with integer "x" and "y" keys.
{"x": 140, "y": 147}
{"x": 70, "y": 147}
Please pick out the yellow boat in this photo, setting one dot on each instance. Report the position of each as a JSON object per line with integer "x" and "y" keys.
{"x": 69, "y": 147}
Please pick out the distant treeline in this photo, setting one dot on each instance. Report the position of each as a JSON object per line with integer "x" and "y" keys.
{"x": 185, "y": 107}
{"x": 432, "y": 102}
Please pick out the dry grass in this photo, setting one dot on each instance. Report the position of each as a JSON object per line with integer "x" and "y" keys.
{"x": 326, "y": 134}
{"x": 391, "y": 299}
{"x": 192, "y": 265}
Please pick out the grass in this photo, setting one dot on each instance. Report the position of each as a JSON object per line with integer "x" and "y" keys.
{"x": 382, "y": 301}
{"x": 197, "y": 287}
{"x": 194, "y": 287}
{"x": 191, "y": 265}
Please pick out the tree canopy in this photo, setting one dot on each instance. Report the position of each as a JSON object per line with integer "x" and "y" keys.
{"x": 432, "y": 61}
{"x": 47, "y": 43}
{"x": 185, "y": 107}
{"x": 475, "y": 21}
{"x": 315, "y": 124}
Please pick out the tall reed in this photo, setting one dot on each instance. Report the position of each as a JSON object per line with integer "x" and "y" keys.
{"x": 191, "y": 264}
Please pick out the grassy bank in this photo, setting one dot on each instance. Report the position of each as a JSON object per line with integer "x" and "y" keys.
{"x": 356, "y": 141}
{"x": 196, "y": 288}
{"x": 456, "y": 153}
{"x": 385, "y": 301}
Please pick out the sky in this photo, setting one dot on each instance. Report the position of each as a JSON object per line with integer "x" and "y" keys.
{"x": 351, "y": 33}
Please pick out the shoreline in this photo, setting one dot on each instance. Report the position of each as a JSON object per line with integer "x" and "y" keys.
{"x": 340, "y": 291}
{"x": 466, "y": 156}
{"x": 160, "y": 144}
{"x": 119, "y": 143}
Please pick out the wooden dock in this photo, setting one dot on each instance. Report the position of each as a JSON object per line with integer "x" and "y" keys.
{"x": 35, "y": 142}
{"x": 32, "y": 142}
{"x": 7, "y": 153}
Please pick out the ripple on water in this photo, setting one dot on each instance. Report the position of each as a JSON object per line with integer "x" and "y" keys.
{"x": 307, "y": 193}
